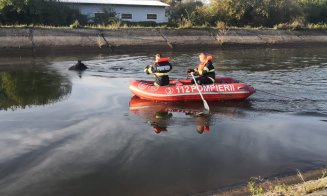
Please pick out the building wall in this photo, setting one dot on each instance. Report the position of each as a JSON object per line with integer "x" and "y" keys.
{"x": 139, "y": 13}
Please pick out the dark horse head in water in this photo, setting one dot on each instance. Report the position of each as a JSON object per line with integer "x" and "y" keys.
{"x": 79, "y": 66}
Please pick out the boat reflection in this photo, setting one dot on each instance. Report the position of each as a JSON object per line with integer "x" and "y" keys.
{"x": 26, "y": 87}
{"x": 161, "y": 115}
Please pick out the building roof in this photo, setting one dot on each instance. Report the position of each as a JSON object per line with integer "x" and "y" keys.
{"x": 119, "y": 2}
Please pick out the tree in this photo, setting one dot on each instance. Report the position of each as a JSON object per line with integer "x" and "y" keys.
{"x": 45, "y": 12}
{"x": 255, "y": 12}
{"x": 180, "y": 10}
{"x": 108, "y": 15}
{"x": 315, "y": 11}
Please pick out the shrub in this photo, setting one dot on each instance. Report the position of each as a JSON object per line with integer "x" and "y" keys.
{"x": 142, "y": 24}
{"x": 255, "y": 189}
{"x": 221, "y": 25}
{"x": 185, "y": 24}
{"x": 317, "y": 26}
{"x": 295, "y": 25}
{"x": 106, "y": 17}
{"x": 116, "y": 24}
{"x": 282, "y": 26}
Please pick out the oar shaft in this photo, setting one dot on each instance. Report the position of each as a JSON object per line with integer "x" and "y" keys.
{"x": 197, "y": 87}
{"x": 206, "y": 106}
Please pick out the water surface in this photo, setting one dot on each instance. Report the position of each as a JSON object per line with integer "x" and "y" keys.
{"x": 64, "y": 133}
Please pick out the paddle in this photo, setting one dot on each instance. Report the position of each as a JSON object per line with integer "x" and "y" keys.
{"x": 205, "y": 104}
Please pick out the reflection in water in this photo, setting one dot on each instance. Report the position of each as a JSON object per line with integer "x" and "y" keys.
{"x": 161, "y": 121}
{"x": 21, "y": 88}
{"x": 202, "y": 122}
{"x": 160, "y": 115}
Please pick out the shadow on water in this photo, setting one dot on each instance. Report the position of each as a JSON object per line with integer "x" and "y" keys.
{"x": 21, "y": 88}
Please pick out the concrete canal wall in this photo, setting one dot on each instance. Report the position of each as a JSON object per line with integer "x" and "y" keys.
{"x": 134, "y": 39}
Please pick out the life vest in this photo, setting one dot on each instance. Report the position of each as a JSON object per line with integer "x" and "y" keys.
{"x": 202, "y": 66}
{"x": 206, "y": 69}
{"x": 163, "y": 66}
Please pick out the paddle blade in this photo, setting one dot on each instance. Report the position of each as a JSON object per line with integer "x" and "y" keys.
{"x": 206, "y": 106}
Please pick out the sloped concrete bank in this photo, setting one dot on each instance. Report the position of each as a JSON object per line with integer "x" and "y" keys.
{"x": 132, "y": 39}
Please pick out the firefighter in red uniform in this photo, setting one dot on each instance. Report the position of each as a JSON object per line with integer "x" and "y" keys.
{"x": 205, "y": 71}
{"x": 160, "y": 70}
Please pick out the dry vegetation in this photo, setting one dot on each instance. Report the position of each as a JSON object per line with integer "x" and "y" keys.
{"x": 275, "y": 189}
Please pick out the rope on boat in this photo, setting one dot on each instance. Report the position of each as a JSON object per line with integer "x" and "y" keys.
{"x": 301, "y": 98}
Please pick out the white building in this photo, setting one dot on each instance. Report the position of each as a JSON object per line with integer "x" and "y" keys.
{"x": 127, "y": 10}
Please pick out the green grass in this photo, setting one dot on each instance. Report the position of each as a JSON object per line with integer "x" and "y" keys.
{"x": 255, "y": 189}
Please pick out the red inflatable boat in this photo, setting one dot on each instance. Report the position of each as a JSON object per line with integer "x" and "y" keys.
{"x": 224, "y": 89}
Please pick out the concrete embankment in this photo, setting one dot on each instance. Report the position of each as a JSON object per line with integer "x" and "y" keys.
{"x": 134, "y": 39}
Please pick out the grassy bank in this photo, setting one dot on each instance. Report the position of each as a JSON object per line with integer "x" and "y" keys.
{"x": 280, "y": 188}
{"x": 301, "y": 183}
{"x": 122, "y": 25}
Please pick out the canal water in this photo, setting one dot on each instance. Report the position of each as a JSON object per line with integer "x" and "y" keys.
{"x": 65, "y": 133}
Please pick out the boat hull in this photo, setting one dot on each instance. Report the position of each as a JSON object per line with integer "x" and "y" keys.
{"x": 224, "y": 89}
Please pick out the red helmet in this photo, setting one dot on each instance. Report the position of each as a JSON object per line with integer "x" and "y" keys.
{"x": 158, "y": 130}
{"x": 206, "y": 128}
